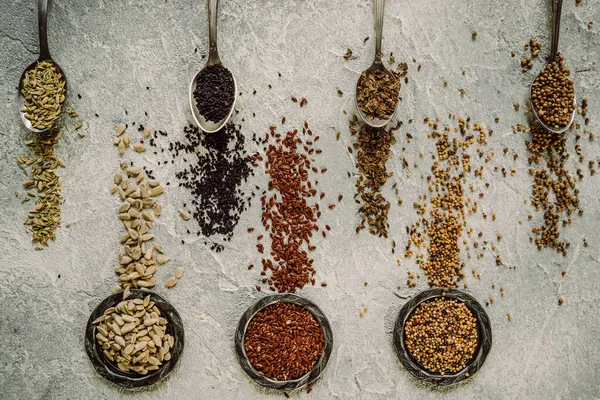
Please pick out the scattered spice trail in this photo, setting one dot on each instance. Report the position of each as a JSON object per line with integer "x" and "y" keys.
{"x": 442, "y": 219}
{"x": 217, "y": 165}
{"x": 373, "y": 150}
{"x": 41, "y": 168}
{"x": 547, "y": 158}
{"x": 284, "y": 341}
{"x": 287, "y": 214}
{"x": 137, "y": 188}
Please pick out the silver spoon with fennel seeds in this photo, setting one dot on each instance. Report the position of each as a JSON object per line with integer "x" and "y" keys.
{"x": 40, "y": 103}
{"x": 537, "y": 82}
{"x": 371, "y": 101}
{"x": 213, "y": 67}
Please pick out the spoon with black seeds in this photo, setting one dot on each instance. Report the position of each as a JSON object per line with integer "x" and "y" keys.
{"x": 213, "y": 91}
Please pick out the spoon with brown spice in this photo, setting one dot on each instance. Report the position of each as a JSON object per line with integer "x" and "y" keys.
{"x": 552, "y": 94}
{"x": 377, "y": 88}
{"x": 43, "y": 84}
{"x": 213, "y": 91}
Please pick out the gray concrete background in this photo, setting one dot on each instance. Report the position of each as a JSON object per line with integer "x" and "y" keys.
{"x": 112, "y": 50}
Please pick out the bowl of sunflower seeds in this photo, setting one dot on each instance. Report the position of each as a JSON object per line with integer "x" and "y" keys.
{"x": 442, "y": 336}
{"x": 134, "y": 338}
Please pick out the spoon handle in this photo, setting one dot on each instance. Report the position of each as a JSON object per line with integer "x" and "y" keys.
{"x": 213, "y": 53}
{"x": 43, "y": 29}
{"x": 379, "y": 7}
{"x": 556, "y": 11}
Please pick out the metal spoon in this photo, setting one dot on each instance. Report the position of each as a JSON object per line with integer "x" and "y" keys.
{"x": 377, "y": 65}
{"x": 44, "y": 56}
{"x": 556, "y": 11}
{"x": 213, "y": 59}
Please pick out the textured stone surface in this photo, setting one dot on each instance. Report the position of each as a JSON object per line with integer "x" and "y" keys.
{"x": 112, "y": 50}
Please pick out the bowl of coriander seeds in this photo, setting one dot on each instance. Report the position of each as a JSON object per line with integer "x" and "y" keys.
{"x": 134, "y": 338}
{"x": 442, "y": 336}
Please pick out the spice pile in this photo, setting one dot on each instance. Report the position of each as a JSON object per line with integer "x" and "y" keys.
{"x": 216, "y": 166}
{"x": 133, "y": 335}
{"x": 283, "y": 341}
{"x": 44, "y": 92}
{"x": 214, "y": 93}
{"x": 534, "y": 46}
{"x": 441, "y": 335}
{"x": 444, "y": 225}
{"x": 40, "y": 167}
{"x": 373, "y": 146}
{"x": 287, "y": 214}
{"x": 377, "y": 94}
{"x": 553, "y": 95}
{"x": 137, "y": 189}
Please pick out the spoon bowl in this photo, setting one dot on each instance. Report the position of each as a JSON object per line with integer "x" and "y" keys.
{"x": 541, "y": 121}
{"x": 209, "y": 126}
{"x": 44, "y": 56}
{"x": 213, "y": 59}
{"x": 21, "y": 99}
{"x": 375, "y": 122}
{"x": 377, "y": 65}
{"x": 556, "y": 13}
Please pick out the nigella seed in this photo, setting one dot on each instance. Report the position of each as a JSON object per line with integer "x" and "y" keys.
{"x": 214, "y": 173}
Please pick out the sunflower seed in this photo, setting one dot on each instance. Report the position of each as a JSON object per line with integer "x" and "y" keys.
{"x": 120, "y": 129}
{"x": 184, "y": 214}
{"x": 140, "y": 148}
{"x": 162, "y": 259}
{"x": 171, "y": 282}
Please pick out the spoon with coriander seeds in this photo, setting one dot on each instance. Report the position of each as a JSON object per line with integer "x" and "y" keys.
{"x": 213, "y": 91}
{"x": 43, "y": 85}
{"x": 377, "y": 89}
{"x": 552, "y": 94}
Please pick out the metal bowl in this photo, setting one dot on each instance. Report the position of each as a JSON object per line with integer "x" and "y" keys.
{"x": 292, "y": 384}
{"x": 108, "y": 369}
{"x": 484, "y": 343}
